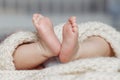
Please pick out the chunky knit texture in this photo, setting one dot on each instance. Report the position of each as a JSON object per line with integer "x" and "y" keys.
{"x": 104, "y": 68}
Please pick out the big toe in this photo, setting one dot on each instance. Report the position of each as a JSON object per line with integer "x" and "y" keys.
{"x": 67, "y": 28}
{"x": 72, "y": 19}
{"x": 37, "y": 17}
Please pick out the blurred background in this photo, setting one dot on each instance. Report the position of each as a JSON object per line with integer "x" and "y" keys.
{"x": 17, "y": 14}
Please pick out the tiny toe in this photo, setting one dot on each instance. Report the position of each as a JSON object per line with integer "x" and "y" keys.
{"x": 74, "y": 24}
{"x": 72, "y": 19}
{"x": 41, "y": 16}
{"x": 67, "y": 23}
{"x": 35, "y": 21}
{"x": 75, "y": 29}
{"x": 35, "y": 15}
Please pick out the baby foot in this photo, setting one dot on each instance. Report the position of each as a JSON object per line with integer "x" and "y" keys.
{"x": 70, "y": 40}
{"x": 46, "y": 34}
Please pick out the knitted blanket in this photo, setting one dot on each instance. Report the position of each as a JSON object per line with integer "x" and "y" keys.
{"x": 100, "y": 68}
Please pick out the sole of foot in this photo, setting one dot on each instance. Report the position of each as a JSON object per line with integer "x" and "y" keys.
{"x": 46, "y": 34}
{"x": 70, "y": 40}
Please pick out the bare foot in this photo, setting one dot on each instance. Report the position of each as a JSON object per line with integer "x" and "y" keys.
{"x": 70, "y": 40}
{"x": 46, "y": 33}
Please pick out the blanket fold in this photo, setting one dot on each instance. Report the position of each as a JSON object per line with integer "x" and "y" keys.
{"x": 100, "y": 68}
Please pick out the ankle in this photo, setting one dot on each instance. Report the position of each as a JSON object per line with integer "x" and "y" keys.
{"x": 74, "y": 56}
{"x": 46, "y": 51}
{"x": 56, "y": 49}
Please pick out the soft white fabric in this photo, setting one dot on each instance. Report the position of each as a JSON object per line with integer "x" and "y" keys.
{"x": 104, "y": 68}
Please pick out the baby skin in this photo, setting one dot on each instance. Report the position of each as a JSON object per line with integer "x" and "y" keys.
{"x": 71, "y": 49}
{"x": 32, "y": 55}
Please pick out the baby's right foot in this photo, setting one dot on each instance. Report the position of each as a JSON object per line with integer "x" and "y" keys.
{"x": 46, "y": 34}
{"x": 70, "y": 40}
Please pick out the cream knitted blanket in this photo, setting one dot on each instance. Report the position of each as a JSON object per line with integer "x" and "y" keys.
{"x": 102, "y": 68}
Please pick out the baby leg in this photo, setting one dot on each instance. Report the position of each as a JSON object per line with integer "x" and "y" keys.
{"x": 72, "y": 50}
{"x": 94, "y": 46}
{"x": 29, "y": 56}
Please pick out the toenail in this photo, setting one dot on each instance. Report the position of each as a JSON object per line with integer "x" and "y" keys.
{"x": 74, "y": 17}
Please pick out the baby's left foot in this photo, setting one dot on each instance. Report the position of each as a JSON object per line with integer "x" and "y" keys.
{"x": 46, "y": 34}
